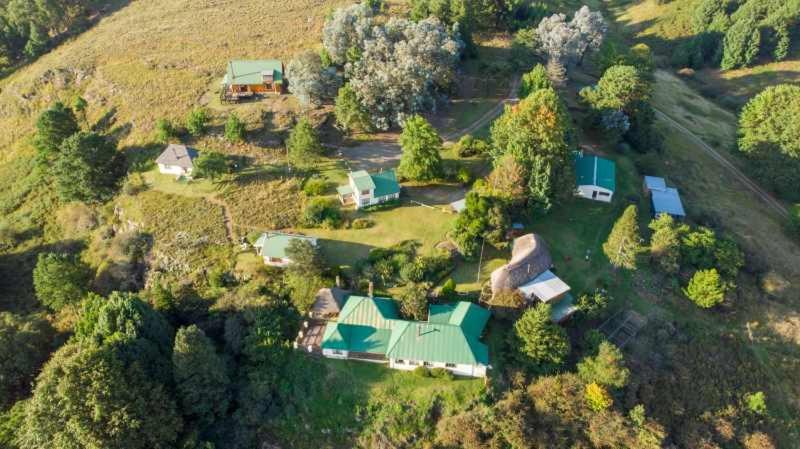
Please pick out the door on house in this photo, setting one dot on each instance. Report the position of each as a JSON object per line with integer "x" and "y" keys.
{"x": 594, "y": 194}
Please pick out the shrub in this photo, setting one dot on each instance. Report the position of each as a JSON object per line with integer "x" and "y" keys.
{"x": 597, "y": 397}
{"x": 165, "y": 130}
{"x": 234, "y": 129}
{"x": 463, "y": 176}
{"x": 322, "y": 212}
{"x": 441, "y": 373}
{"x": 422, "y": 371}
{"x": 362, "y": 223}
{"x": 448, "y": 289}
{"x": 705, "y": 288}
{"x": 593, "y": 304}
{"x": 468, "y": 146}
{"x": 197, "y": 122}
{"x": 315, "y": 187}
{"x": 303, "y": 143}
{"x": 60, "y": 279}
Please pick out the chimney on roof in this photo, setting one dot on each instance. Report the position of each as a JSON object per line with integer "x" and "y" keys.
{"x": 370, "y": 289}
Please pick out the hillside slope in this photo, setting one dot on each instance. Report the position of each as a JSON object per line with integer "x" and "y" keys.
{"x": 155, "y": 59}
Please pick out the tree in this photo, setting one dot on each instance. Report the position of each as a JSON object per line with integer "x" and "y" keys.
{"x": 507, "y": 180}
{"x": 350, "y": 115}
{"x": 538, "y": 340}
{"x": 705, "y": 288}
{"x": 568, "y": 42}
{"x": 507, "y": 304}
{"x": 321, "y": 212}
{"x": 303, "y": 143}
{"x": 741, "y": 44}
{"x": 537, "y": 132}
{"x": 768, "y": 122}
{"x": 88, "y": 168}
{"x": 310, "y": 82}
{"x": 728, "y": 258}
{"x": 87, "y": 397}
{"x": 594, "y": 304}
{"x": 624, "y": 243}
{"x": 53, "y": 127}
{"x": 697, "y": 247}
{"x": 597, "y": 397}
{"x": 303, "y": 289}
{"x": 165, "y": 130}
{"x": 25, "y": 344}
{"x": 344, "y": 32}
{"x": 622, "y": 88}
{"x": 534, "y": 80}
{"x": 234, "y": 128}
{"x": 402, "y": 67}
{"x": 201, "y": 381}
{"x": 414, "y": 301}
{"x": 665, "y": 243}
{"x": 197, "y": 121}
{"x": 607, "y": 368}
{"x": 421, "y": 159}
{"x": 210, "y": 164}
{"x": 307, "y": 259}
{"x": 60, "y": 279}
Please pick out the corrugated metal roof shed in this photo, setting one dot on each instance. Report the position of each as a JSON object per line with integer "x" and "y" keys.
{"x": 655, "y": 183}
{"x": 562, "y": 309}
{"x": 591, "y": 170}
{"x": 667, "y": 201}
{"x": 274, "y": 244}
{"x": 443, "y": 343}
{"x": 244, "y": 72}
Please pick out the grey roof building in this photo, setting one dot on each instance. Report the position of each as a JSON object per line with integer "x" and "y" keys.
{"x": 176, "y": 155}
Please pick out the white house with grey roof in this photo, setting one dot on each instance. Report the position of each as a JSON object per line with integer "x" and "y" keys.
{"x": 177, "y": 160}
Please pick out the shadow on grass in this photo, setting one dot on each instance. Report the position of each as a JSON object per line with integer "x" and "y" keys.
{"x": 344, "y": 254}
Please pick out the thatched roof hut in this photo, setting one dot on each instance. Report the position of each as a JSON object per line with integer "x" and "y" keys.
{"x": 529, "y": 258}
{"x": 329, "y": 302}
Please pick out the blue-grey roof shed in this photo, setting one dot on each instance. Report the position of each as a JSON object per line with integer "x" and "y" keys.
{"x": 667, "y": 201}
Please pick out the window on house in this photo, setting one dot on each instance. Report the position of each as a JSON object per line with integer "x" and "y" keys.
{"x": 427, "y": 364}
{"x": 275, "y": 259}
{"x": 337, "y": 352}
{"x": 449, "y": 365}
{"x": 400, "y": 361}
{"x": 605, "y": 194}
{"x": 594, "y": 194}
{"x": 365, "y": 192}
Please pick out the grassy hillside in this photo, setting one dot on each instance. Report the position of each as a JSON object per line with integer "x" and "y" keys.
{"x": 156, "y": 59}
{"x": 662, "y": 25}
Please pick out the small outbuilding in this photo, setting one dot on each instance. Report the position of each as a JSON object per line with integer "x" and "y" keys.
{"x": 595, "y": 177}
{"x": 272, "y": 247}
{"x": 663, "y": 199}
{"x": 177, "y": 160}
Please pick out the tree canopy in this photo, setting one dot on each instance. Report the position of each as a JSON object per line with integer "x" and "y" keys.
{"x": 88, "y": 168}
{"x": 623, "y": 245}
{"x": 60, "y": 279}
{"x": 421, "y": 159}
{"x": 53, "y": 127}
{"x": 539, "y": 342}
{"x": 201, "y": 380}
{"x": 303, "y": 143}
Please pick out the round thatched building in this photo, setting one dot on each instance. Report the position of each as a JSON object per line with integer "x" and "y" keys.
{"x": 529, "y": 258}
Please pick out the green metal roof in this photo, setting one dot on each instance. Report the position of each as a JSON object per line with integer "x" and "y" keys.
{"x": 250, "y": 72}
{"x": 274, "y": 244}
{"x": 362, "y": 180}
{"x": 595, "y": 171}
{"x": 451, "y": 334}
{"x": 385, "y": 183}
{"x": 562, "y": 309}
{"x": 443, "y": 343}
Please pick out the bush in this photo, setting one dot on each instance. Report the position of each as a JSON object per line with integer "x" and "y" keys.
{"x": 165, "y": 130}
{"x": 234, "y": 129}
{"x": 705, "y": 289}
{"x": 463, "y": 176}
{"x": 422, "y": 371}
{"x": 197, "y": 121}
{"x": 448, "y": 289}
{"x": 322, "y": 212}
{"x": 468, "y": 146}
{"x": 362, "y": 223}
{"x": 315, "y": 187}
{"x": 441, "y": 373}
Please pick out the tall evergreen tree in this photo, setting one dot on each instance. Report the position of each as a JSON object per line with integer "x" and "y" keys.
{"x": 706, "y": 288}
{"x": 606, "y": 368}
{"x": 303, "y": 143}
{"x": 88, "y": 168}
{"x": 624, "y": 243}
{"x": 53, "y": 127}
{"x": 200, "y": 377}
{"x": 665, "y": 243}
{"x": 60, "y": 279}
{"x": 540, "y": 343}
{"x": 421, "y": 160}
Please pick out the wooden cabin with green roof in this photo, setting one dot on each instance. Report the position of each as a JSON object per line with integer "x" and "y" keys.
{"x": 371, "y": 329}
{"x": 272, "y": 246}
{"x": 248, "y": 78}
{"x": 595, "y": 177}
{"x": 367, "y": 189}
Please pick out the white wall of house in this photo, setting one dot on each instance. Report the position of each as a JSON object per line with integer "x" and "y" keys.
{"x": 596, "y": 193}
{"x": 366, "y": 201}
{"x": 335, "y": 353}
{"x": 455, "y": 368}
{"x": 173, "y": 170}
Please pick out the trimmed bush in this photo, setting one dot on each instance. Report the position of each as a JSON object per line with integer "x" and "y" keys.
{"x": 441, "y": 373}
{"x": 422, "y": 371}
{"x": 362, "y": 223}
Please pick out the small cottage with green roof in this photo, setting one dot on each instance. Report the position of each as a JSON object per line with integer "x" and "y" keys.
{"x": 595, "y": 177}
{"x": 246, "y": 78}
{"x": 272, "y": 247}
{"x": 371, "y": 329}
{"x": 364, "y": 189}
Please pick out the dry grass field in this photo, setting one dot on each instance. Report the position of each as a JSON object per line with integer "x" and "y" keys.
{"x": 155, "y": 58}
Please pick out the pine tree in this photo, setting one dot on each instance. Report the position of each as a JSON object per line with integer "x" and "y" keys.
{"x": 540, "y": 342}
{"x": 421, "y": 160}
{"x": 303, "y": 143}
{"x": 534, "y": 80}
{"x": 88, "y": 168}
{"x": 606, "y": 368}
{"x": 53, "y": 127}
{"x": 200, "y": 377}
{"x": 557, "y": 72}
{"x": 350, "y": 115}
{"x": 665, "y": 243}
{"x": 234, "y": 129}
{"x": 705, "y": 288}
{"x": 624, "y": 243}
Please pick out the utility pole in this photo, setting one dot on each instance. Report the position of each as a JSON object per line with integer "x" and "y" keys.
{"x": 480, "y": 261}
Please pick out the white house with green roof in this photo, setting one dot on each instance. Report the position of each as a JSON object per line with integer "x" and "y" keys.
{"x": 246, "y": 78}
{"x": 595, "y": 177}
{"x": 271, "y": 246}
{"x": 371, "y": 329}
{"x": 367, "y": 189}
